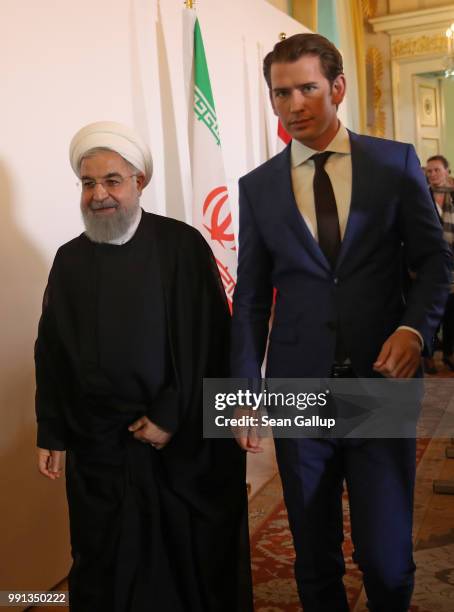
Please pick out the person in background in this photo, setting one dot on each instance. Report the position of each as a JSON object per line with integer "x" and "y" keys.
{"x": 442, "y": 191}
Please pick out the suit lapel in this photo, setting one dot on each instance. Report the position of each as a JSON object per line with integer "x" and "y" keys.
{"x": 281, "y": 191}
{"x": 357, "y": 216}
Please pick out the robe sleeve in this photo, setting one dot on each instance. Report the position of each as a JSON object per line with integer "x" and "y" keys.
{"x": 198, "y": 321}
{"x": 48, "y": 399}
{"x": 165, "y": 408}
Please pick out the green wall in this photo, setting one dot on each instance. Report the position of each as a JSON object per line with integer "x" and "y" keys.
{"x": 448, "y": 99}
{"x": 327, "y": 20}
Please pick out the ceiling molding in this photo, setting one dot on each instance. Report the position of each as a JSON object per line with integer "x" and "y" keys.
{"x": 414, "y": 21}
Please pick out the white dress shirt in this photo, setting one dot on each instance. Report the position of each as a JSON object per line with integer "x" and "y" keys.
{"x": 339, "y": 169}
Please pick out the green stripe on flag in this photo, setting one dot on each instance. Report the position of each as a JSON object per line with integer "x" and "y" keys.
{"x": 202, "y": 78}
{"x": 203, "y": 95}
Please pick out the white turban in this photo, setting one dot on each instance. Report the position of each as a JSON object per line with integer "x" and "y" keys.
{"x": 115, "y": 137}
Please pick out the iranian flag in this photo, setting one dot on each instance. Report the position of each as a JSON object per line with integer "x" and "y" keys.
{"x": 211, "y": 213}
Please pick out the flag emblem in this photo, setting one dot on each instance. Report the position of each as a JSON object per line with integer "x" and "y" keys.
{"x": 216, "y": 209}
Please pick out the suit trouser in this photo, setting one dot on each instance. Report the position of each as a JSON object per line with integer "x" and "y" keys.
{"x": 380, "y": 475}
{"x": 448, "y": 327}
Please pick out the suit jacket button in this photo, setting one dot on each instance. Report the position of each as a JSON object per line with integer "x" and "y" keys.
{"x": 336, "y": 280}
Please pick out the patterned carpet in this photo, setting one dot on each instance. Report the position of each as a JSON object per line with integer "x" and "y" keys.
{"x": 271, "y": 544}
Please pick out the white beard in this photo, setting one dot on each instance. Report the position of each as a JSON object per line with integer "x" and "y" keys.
{"x": 110, "y": 227}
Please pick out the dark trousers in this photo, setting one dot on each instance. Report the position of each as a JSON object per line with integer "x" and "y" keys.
{"x": 448, "y": 327}
{"x": 380, "y": 475}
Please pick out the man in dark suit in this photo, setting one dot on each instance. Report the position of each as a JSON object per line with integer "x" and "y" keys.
{"x": 329, "y": 233}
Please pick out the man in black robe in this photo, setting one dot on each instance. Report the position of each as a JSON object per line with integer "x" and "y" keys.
{"x": 134, "y": 317}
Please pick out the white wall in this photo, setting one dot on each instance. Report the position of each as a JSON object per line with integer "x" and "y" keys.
{"x": 64, "y": 64}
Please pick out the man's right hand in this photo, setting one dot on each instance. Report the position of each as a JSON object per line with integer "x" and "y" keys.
{"x": 50, "y": 463}
{"x": 247, "y": 437}
{"x": 146, "y": 431}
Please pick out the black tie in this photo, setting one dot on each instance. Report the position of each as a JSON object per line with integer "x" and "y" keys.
{"x": 326, "y": 210}
{"x": 328, "y": 228}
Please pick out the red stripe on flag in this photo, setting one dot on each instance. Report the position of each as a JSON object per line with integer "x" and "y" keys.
{"x": 282, "y": 133}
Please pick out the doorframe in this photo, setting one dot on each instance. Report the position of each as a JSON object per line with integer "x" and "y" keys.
{"x": 418, "y": 44}
{"x": 439, "y": 110}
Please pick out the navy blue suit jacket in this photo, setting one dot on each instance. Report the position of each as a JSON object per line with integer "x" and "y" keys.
{"x": 392, "y": 225}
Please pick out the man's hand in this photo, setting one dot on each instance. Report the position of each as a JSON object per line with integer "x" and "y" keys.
{"x": 50, "y": 463}
{"x": 246, "y": 437}
{"x": 400, "y": 355}
{"x": 146, "y": 431}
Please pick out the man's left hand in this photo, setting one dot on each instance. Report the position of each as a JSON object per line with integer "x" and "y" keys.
{"x": 146, "y": 431}
{"x": 400, "y": 355}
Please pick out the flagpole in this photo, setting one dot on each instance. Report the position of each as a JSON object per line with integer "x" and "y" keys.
{"x": 189, "y": 19}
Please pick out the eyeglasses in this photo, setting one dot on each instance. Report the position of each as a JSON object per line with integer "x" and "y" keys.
{"x": 109, "y": 184}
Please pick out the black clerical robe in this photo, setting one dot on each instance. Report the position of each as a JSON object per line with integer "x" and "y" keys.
{"x": 128, "y": 331}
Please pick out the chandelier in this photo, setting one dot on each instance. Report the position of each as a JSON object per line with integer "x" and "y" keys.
{"x": 449, "y": 58}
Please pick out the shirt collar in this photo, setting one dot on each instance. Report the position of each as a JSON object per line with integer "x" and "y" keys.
{"x": 300, "y": 153}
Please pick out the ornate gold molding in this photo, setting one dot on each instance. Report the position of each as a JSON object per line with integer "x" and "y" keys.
{"x": 305, "y": 11}
{"x": 374, "y": 63}
{"x": 408, "y": 47}
{"x": 369, "y": 8}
